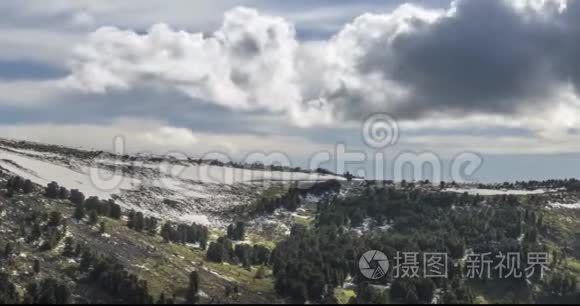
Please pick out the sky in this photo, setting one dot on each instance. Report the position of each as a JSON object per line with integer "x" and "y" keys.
{"x": 495, "y": 79}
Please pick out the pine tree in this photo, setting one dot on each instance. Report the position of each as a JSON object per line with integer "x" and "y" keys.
{"x": 36, "y": 266}
{"x": 27, "y": 186}
{"x": 115, "y": 210}
{"x": 47, "y": 291}
{"x": 215, "y": 252}
{"x": 79, "y": 212}
{"x": 151, "y": 225}
{"x": 63, "y": 193}
{"x": 131, "y": 219}
{"x": 139, "y": 222}
{"x": 192, "y": 295}
{"x": 240, "y": 231}
{"x": 161, "y": 299}
{"x": 77, "y": 197}
{"x": 8, "y": 249}
{"x": 93, "y": 217}
{"x": 17, "y": 182}
{"x": 204, "y": 236}
{"x": 52, "y": 190}
{"x": 62, "y": 294}
{"x": 166, "y": 232}
{"x": 230, "y": 231}
{"x": 8, "y": 293}
{"x": 78, "y": 250}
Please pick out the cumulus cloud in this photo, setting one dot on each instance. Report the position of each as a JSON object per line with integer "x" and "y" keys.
{"x": 488, "y": 58}
{"x": 247, "y": 64}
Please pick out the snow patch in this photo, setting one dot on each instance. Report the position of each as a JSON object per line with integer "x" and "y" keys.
{"x": 489, "y": 192}
{"x": 176, "y": 190}
{"x": 43, "y": 172}
{"x": 563, "y": 205}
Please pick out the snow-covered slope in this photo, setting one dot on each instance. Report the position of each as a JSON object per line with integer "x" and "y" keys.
{"x": 41, "y": 170}
{"x": 168, "y": 188}
{"x": 490, "y": 192}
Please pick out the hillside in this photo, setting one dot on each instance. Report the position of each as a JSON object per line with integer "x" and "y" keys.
{"x": 148, "y": 186}
{"x": 166, "y": 234}
{"x": 179, "y": 190}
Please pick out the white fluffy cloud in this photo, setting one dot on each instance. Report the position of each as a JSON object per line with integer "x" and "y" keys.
{"x": 416, "y": 63}
{"x": 248, "y": 64}
{"x": 253, "y": 62}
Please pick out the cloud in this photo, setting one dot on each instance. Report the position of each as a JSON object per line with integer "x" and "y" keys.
{"x": 29, "y": 70}
{"x": 413, "y": 62}
{"x": 462, "y": 62}
{"x": 140, "y": 135}
{"x": 152, "y": 136}
{"x": 82, "y": 19}
{"x": 494, "y": 77}
{"x": 476, "y": 57}
{"x": 248, "y": 64}
{"x": 27, "y": 94}
{"x": 40, "y": 45}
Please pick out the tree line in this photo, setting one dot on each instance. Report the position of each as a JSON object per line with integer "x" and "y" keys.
{"x": 312, "y": 261}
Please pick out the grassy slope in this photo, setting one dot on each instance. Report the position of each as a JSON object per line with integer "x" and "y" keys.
{"x": 165, "y": 266}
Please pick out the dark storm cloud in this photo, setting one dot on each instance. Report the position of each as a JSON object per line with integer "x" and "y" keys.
{"x": 570, "y": 26}
{"x": 486, "y": 58}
